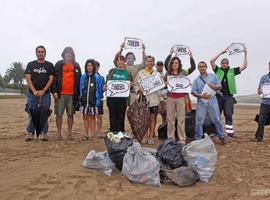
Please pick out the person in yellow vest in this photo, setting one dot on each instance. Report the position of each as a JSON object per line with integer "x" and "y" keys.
{"x": 226, "y": 75}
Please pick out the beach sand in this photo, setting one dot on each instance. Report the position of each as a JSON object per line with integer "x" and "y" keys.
{"x": 52, "y": 170}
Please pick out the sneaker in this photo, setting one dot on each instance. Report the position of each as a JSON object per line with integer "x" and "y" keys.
{"x": 29, "y": 137}
{"x": 256, "y": 139}
{"x": 183, "y": 142}
{"x": 151, "y": 141}
{"x": 222, "y": 141}
{"x": 232, "y": 135}
{"x": 44, "y": 137}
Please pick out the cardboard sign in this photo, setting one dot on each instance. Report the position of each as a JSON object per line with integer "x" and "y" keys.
{"x": 209, "y": 91}
{"x": 152, "y": 84}
{"x": 181, "y": 49}
{"x": 118, "y": 88}
{"x": 236, "y": 48}
{"x": 178, "y": 84}
{"x": 266, "y": 91}
{"x": 133, "y": 43}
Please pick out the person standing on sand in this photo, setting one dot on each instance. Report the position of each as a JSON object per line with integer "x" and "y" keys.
{"x": 117, "y": 105}
{"x": 132, "y": 68}
{"x": 226, "y": 75}
{"x": 100, "y": 107}
{"x": 264, "y": 108}
{"x": 39, "y": 75}
{"x": 91, "y": 92}
{"x": 176, "y": 102}
{"x": 211, "y": 106}
{"x": 66, "y": 89}
{"x": 153, "y": 98}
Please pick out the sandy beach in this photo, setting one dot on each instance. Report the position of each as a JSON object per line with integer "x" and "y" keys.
{"x": 52, "y": 170}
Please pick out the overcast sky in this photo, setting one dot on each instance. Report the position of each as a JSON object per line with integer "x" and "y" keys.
{"x": 95, "y": 29}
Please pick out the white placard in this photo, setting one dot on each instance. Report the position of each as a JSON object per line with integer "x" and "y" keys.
{"x": 266, "y": 90}
{"x": 235, "y": 48}
{"x": 181, "y": 49}
{"x": 152, "y": 84}
{"x": 178, "y": 84}
{"x": 209, "y": 91}
{"x": 133, "y": 43}
{"x": 118, "y": 88}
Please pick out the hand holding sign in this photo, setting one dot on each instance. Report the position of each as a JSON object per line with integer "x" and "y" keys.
{"x": 181, "y": 50}
{"x": 236, "y": 48}
{"x": 133, "y": 43}
{"x": 178, "y": 84}
{"x": 118, "y": 88}
{"x": 152, "y": 84}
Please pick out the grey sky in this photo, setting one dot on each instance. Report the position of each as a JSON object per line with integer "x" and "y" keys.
{"x": 95, "y": 29}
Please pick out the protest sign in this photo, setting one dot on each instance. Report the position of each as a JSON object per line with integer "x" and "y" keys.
{"x": 152, "y": 84}
{"x": 133, "y": 43}
{"x": 118, "y": 88}
{"x": 178, "y": 84}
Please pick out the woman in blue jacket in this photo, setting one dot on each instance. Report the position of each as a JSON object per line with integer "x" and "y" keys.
{"x": 91, "y": 89}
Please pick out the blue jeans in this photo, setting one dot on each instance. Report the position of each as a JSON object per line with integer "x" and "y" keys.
{"x": 31, "y": 101}
{"x": 214, "y": 115}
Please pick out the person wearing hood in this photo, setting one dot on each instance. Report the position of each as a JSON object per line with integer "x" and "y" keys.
{"x": 91, "y": 91}
{"x": 65, "y": 90}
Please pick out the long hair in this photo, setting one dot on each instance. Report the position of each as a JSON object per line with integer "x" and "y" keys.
{"x": 66, "y": 50}
{"x": 171, "y": 63}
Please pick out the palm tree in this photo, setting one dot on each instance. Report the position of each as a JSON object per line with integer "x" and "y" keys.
{"x": 15, "y": 73}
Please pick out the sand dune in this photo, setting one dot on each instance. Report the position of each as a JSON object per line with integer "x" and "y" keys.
{"x": 52, "y": 170}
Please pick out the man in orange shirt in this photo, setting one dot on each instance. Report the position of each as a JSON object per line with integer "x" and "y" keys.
{"x": 66, "y": 89}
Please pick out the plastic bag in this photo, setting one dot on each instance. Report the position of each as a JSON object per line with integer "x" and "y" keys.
{"x": 141, "y": 166}
{"x": 118, "y": 150}
{"x": 99, "y": 161}
{"x": 201, "y": 155}
{"x": 181, "y": 176}
{"x": 170, "y": 153}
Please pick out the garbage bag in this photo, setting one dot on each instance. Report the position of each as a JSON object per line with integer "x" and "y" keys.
{"x": 140, "y": 166}
{"x": 201, "y": 155}
{"x": 170, "y": 153}
{"x": 181, "y": 176}
{"x": 117, "y": 150}
{"x": 99, "y": 161}
{"x": 139, "y": 117}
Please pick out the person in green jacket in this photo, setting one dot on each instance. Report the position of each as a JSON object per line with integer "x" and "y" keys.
{"x": 226, "y": 75}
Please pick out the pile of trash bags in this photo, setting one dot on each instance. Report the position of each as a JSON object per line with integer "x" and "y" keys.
{"x": 170, "y": 163}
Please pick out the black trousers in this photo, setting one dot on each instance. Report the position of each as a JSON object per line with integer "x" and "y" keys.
{"x": 264, "y": 113}
{"x": 117, "y": 110}
{"x": 226, "y": 104}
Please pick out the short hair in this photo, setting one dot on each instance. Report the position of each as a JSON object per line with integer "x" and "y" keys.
{"x": 41, "y": 46}
{"x": 225, "y": 59}
{"x": 202, "y": 62}
{"x": 130, "y": 53}
{"x": 97, "y": 64}
{"x": 118, "y": 56}
{"x": 151, "y": 57}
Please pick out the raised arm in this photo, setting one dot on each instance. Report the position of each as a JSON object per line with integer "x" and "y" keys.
{"x": 244, "y": 65}
{"x": 192, "y": 63}
{"x": 142, "y": 65}
{"x": 167, "y": 60}
{"x": 214, "y": 59}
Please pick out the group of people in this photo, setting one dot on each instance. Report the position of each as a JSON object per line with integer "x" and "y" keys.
{"x": 73, "y": 92}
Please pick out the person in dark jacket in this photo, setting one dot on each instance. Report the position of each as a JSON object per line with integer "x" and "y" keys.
{"x": 91, "y": 91}
{"x": 66, "y": 89}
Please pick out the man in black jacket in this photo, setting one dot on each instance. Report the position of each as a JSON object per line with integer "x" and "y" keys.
{"x": 66, "y": 89}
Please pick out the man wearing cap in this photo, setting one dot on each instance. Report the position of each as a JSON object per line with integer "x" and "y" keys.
{"x": 264, "y": 108}
{"x": 226, "y": 75}
{"x": 66, "y": 89}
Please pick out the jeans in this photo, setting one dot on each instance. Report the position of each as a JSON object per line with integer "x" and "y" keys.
{"x": 264, "y": 113}
{"x": 214, "y": 115}
{"x": 117, "y": 110}
{"x": 32, "y": 100}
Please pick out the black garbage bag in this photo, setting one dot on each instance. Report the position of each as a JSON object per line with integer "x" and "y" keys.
{"x": 118, "y": 150}
{"x": 170, "y": 153}
{"x": 181, "y": 176}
